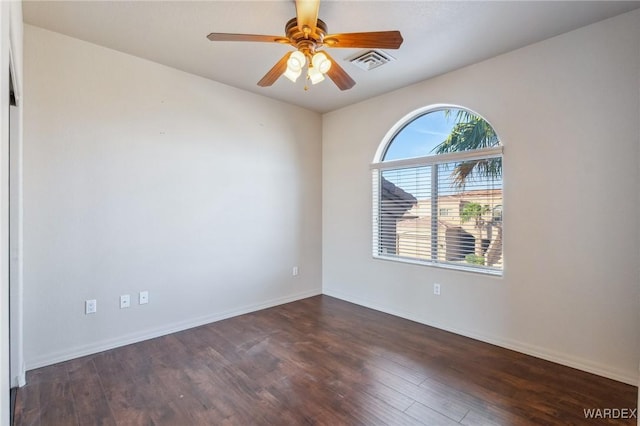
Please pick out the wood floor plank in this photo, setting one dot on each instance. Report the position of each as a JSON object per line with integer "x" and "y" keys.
{"x": 449, "y": 407}
{"x": 384, "y": 393}
{"x": 486, "y": 418}
{"x": 315, "y": 361}
{"x": 56, "y": 404}
{"x": 127, "y": 399}
{"x": 429, "y": 416}
{"x": 88, "y": 395}
{"x": 27, "y": 411}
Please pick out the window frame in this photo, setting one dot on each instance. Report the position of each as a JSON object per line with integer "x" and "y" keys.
{"x": 378, "y": 166}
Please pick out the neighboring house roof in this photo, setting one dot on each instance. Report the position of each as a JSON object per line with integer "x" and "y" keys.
{"x": 475, "y": 193}
{"x": 396, "y": 200}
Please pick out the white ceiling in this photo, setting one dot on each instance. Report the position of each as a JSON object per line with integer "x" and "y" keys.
{"x": 439, "y": 36}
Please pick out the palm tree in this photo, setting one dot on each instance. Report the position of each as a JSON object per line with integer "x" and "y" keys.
{"x": 470, "y": 132}
{"x": 475, "y": 212}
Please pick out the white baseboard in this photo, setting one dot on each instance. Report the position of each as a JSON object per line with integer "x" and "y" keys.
{"x": 83, "y": 350}
{"x": 19, "y": 380}
{"x": 525, "y": 348}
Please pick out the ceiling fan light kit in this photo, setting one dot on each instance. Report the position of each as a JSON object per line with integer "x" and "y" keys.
{"x": 318, "y": 66}
{"x": 308, "y": 35}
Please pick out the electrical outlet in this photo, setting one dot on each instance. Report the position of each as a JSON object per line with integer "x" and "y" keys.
{"x": 294, "y": 271}
{"x": 436, "y": 289}
{"x": 125, "y": 301}
{"x": 143, "y": 297}
{"x": 90, "y": 306}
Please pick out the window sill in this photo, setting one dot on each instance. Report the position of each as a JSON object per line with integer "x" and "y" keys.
{"x": 488, "y": 272}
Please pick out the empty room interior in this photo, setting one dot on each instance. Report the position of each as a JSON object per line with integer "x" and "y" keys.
{"x": 319, "y": 212}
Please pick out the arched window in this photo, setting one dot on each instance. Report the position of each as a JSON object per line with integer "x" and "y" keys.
{"x": 437, "y": 191}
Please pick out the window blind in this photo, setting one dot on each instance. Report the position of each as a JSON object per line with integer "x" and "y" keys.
{"x": 447, "y": 212}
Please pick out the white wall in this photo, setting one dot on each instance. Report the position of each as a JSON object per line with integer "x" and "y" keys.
{"x": 142, "y": 177}
{"x": 567, "y": 112}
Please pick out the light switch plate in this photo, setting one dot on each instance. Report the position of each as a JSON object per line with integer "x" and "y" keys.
{"x": 125, "y": 301}
{"x": 90, "y": 306}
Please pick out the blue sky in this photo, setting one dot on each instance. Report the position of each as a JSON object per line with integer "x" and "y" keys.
{"x": 421, "y": 136}
{"x": 418, "y": 139}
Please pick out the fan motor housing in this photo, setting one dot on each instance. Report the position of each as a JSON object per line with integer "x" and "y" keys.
{"x": 305, "y": 41}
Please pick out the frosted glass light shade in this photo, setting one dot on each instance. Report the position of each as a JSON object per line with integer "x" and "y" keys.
{"x": 321, "y": 62}
{"x": 315, "y": 76}
{"x": 296, "y": 61}
{"x": 292, "y": 75}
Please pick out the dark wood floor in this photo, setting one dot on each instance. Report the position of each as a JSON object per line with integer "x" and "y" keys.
{"x": 315, "y": 361}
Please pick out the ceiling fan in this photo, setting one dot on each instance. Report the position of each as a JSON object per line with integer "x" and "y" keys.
{"x": 308, "y": 35}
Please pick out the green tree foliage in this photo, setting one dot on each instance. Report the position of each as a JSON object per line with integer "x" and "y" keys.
{"x": 470, "y": 132}
{"x": 474, "y": 259}
{"x": 475, "y": 211}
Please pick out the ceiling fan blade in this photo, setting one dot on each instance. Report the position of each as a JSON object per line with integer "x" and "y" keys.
{"x": 307, "y": 14}
{"x": 274, "y": 73}
{"x": 375, "y": 39}
{"x": 246, "y": 37}
{"x": 338, "y": 75}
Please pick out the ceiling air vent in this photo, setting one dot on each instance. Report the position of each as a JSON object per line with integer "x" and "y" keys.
{"x": 371, "y": 59}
